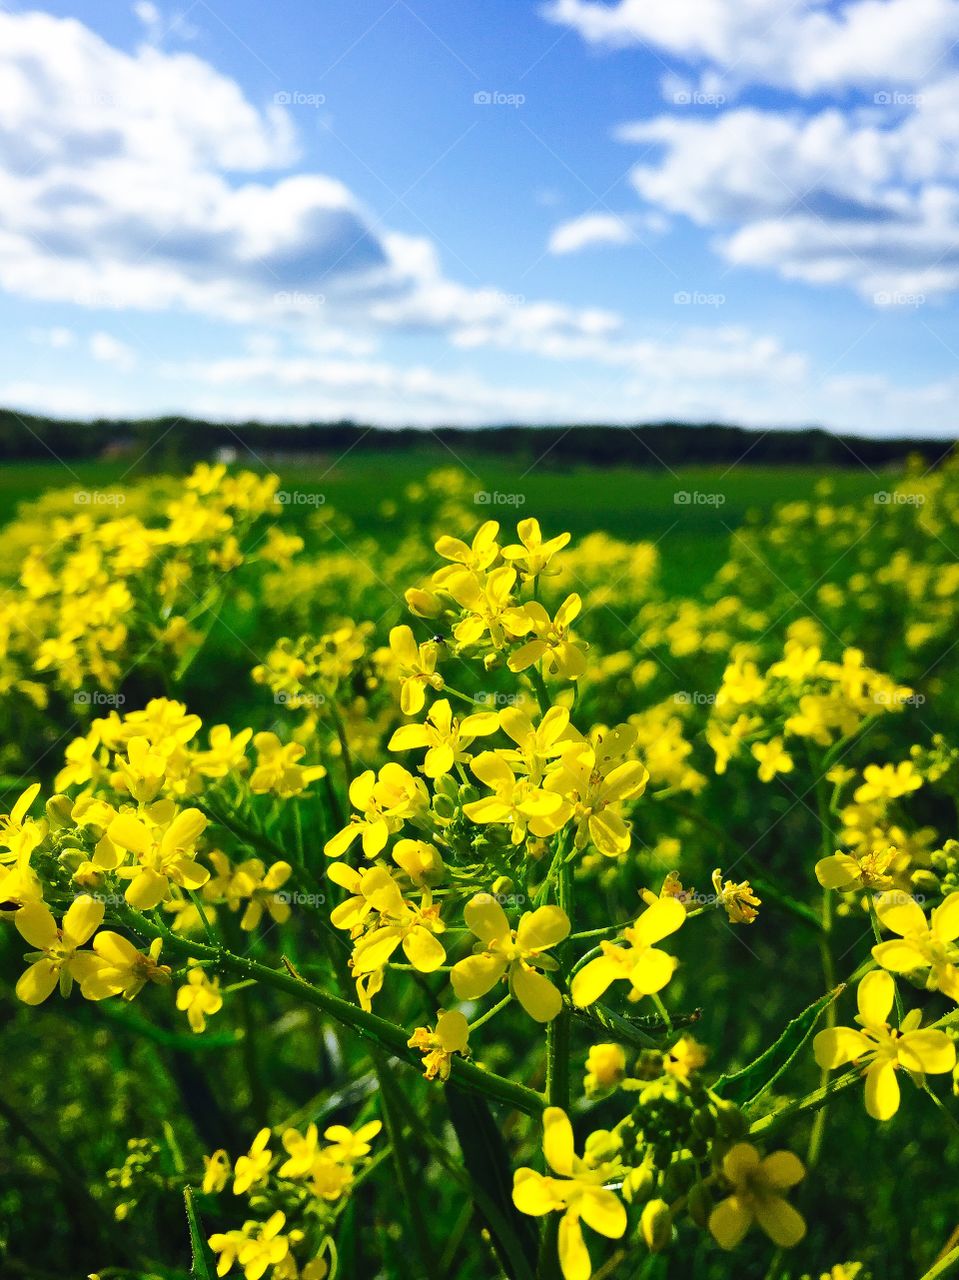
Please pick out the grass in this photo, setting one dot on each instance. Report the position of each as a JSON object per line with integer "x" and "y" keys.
{"x": 629, "y": 502}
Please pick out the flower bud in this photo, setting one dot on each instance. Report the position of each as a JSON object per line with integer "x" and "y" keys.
{"x": 656, "y": 1225}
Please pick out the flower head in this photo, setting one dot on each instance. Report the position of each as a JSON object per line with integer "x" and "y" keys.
{"x": 757, "y": 1196}
{"x": 577, "y": 1193}
{"x": 518, "y": 954}
{"x": 922, "y": 945}
{"x": 640, "y": 962}
{"x": 451, "y": 1036}
{"x": 881, "y": 1048}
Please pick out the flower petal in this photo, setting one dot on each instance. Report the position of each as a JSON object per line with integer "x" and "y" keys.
{"x": 573, "y": 1254}
{"x": 558, "y": 1141}
{"x": 900, "y": 913}
{"x": 543, "y": 928}
{"x": 604, "y": 1212}
{"x": 474, "y": 976}
{"x": 661, "y": 919}
{"x": 594, "y": 979}
{"x": 729, "y": 1222}
{"x": 541, "y": 1000}
{"x": 875, "y": 996}
{"x": 783, "y": 1224}
{"x": 930, "y": 1051}
{"x": 945, "y": 919}
{"x": 486, "y": 918}
{"x": 882, "y": 1090}
{"x": 836, "y": 1046}
{"x": 83, "y": 918}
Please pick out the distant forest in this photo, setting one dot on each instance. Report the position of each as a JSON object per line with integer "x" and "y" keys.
{"x": 171, "y": 443}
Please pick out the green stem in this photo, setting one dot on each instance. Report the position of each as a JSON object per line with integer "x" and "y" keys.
{"x": 490, "y": 1013}
{"x": 814, "y": 1101}
{"x": 942, "y": 1265}
{"x": 367, "y": 1025}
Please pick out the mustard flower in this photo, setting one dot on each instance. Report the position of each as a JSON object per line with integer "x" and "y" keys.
{"x": 446, "y": 738}
{"x": 596, "y": 793}
{"x": 400, "y": 923}
{"x": 757, "y": 1196}
{"x": 125, "y": 970}
{"x": 487, "y": 605}
{"x": 251, "y": 1169}
{"x": 165, "y": 855}
{"x": 773, "y": 758}
{"x": 514, "y": 953}
{"x": 887, "y": 782}
{"x": 417, "y": 664}
{"x": 532, "y": 555}
{"x": 577, "y": 1193}
{"x": 846, "y": 871}
{"x": 605, "y": 1068}
{"x": 262, "y": 887}
{"x": 641, "y": 963}
{"x": 515, "y": 802}
{"x": 384, "y": 802}
{"x": 58, "y": 958}
{"x": 882, "y": 1047}
{"x": 15, "y": 825}
{"x": 302, "y": 1150}
{"x": 216, "y": 1172}
{"x": 561, "y": 657}
{"x": 199, "y": 999}
{"x": 348, "y": 1147}
{"x": 265, "y": 1248}
{"x": 920, "y": 945}
{"x": 451, "y": 1036}
{"x": 738, "y": 900}
{"x": 472, "y": 557}
{"x": 278, "y": 769}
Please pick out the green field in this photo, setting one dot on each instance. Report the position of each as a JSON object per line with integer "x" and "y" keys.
{"x": 630, "y": 502}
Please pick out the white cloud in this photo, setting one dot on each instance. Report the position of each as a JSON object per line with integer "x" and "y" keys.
{"x": 58, "y": 338}
{"x": 590, "y": 230}
{"x": 109, "y": 350}
{"x": 121, "y": 190}
{"x": 862, "y": 199}
{"x": 808, "y": 48}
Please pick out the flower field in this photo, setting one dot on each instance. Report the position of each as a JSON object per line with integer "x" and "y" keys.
{"x": 427, "y": 886}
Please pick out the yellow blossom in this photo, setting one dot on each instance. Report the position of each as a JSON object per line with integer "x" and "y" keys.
{"x": 446, "y": 738}
{"x": 58, "y": 958}
{"x": 517, "y": 954}
{"x": 577, "y": 1193}
{"x": 921, "y": 945}
{"x": 773, "y": 758}
{"x": 451, "y": 1036}
{"x": 882, "y": 1047}
{"x": 640, "y": 962}
{"x": 251, "y": 1169}
{"x": 417, "y": 664}
{"x": 532, "y": 554}
{"x": 199, "y": 999}
{"x": 757, "y": 1196}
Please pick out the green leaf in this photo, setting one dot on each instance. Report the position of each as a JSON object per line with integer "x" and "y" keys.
{"x": 488, "y": 1168}
{"x": 200, "y": 1269}
{"x": 747, "y": 1086}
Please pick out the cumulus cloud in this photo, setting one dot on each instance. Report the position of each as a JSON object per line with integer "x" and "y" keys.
{"x": 590, "y": 230}
{"x": 865, "y": 199}
{"x": 807, "y": 48}
{"x": 136, "y": 181}
{"x": 109, "y": 350}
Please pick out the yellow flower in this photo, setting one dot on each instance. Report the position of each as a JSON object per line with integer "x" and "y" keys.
{"x": 884, "y": 1048}
{"x": 757, "y": 1187}
{"x": 534, "y": 555}
{"x": 739, "y": 900}
{"x": 58, "y": 958}
{"x": 605, "y": 1067}
{"x": 125, "y": 969}
{"x": 640, "y": 963}
{"x": 420, "y": 860}
{"x": 216, "y": 1172}
{"x": 253, "y": 881}
{"x": 844, "y": 871}
{"x": 516, "y": 953}
{"x": 199, "y": 999}
{"x": 515, "y": 802}
{"x": 473, "y": 558}
{"x": 227, "y": 1244}
{"x": 596, "y": 791}
{"x": 16, "y": 828}
{"x": 445, "y": 738}
{"x": 164, "y": 856}
{"x": 302, "y": 1150}
{"x": 487, "y": 605}
{"x": 264, "y": 1249}
{"x": 278, "y": 769}
{"x": 921, "y": 945}
{"x": 684, "y": 1058}
{"x": 348, "y": 1147}
{"x": 887, "y": 782}
{"x": 438, "y": 1047}
{"x": 578, "y": 1193}
{"x": 560, "y": 656}
{"x": 773, "y": 758}
{"x": 252, "y": 1168}
{"x": 417, "y": 664}
{"x": 385, "y": 802}
{"x": 415, "y": 927}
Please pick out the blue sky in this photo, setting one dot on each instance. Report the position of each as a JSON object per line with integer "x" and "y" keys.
{"x": 735, "y": 210}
